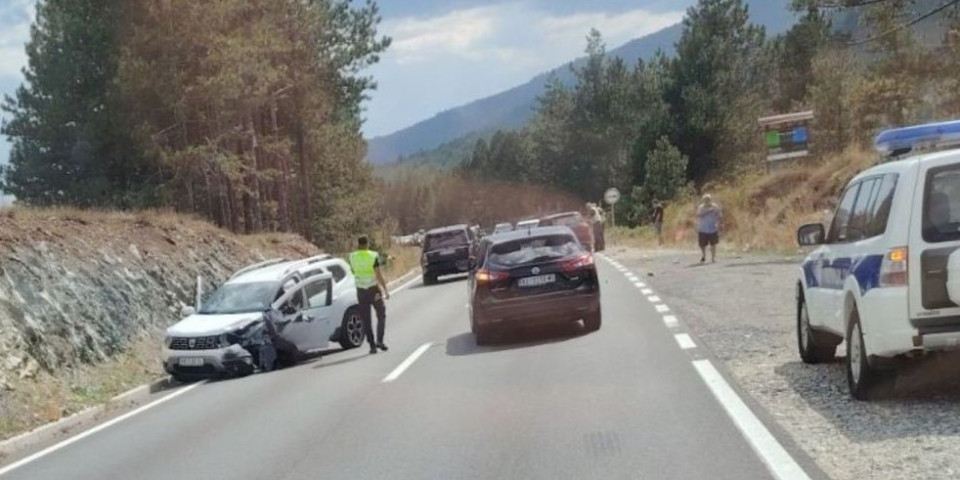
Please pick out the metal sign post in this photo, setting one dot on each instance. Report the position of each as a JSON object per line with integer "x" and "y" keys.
{"x": 611, "y": 197}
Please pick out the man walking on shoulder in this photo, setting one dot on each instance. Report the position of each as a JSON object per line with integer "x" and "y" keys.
{"x": 708, "y": 227}
{"x": 657, "y": 219}
{"x": 371, "y": 291}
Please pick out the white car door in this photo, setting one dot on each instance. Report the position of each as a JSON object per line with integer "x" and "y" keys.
{"x": 824, "y": 272}
{"x": 319, "y": 314}
{"x": 303, "y": 324}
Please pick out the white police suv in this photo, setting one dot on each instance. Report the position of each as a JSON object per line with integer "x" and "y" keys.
{"x": 315, "y": 300}
{"x": 885, "y": 275}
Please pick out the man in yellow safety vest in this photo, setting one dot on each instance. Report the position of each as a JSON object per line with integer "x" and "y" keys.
{"x": 371, "y": 290}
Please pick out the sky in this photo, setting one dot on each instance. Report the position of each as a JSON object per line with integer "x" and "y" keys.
{"x": 444, "y": 53}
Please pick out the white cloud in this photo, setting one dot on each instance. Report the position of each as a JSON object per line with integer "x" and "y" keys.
{"x": 15, "y": 19}
{"x": 439, "y": 62}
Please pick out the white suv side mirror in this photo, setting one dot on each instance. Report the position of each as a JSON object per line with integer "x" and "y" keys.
{"x": 187, "y": 310}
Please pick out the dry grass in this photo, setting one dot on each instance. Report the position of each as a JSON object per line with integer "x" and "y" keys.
{"x": 402, "y": 260}
{"x": 761, "y": 212}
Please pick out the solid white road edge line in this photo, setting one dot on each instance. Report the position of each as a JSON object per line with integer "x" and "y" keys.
{"x": 405, "y": 285}
{"x": 653, "y": 299}
{"x": 406, "y": 363}
{"x": 102, "y": 426}
{"x": 685, "y": 342}
{"x": 670, "y": 321}
{"x": 773, "y": 455}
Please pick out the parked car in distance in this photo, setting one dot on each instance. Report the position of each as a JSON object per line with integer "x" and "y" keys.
{"x": 446, "y": 251}
{"x": 316, "y": 297}
{"x": 527, "y": 225}
{"x": 576, "y": 222}
{"x": 534, "y": 277}
{"x": 502, "y": 228}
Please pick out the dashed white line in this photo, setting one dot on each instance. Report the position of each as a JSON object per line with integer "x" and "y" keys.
{"x": 647, "y": 291}
{"x": 406, "y": 363}
{"x": 684, "y": 340}
{"x": 640, "y": 284}
{"x": 653, "y": 299}
{"x": 632, "y": 277}
{"x": 773, "y": 455}
{"x": 98, "y": 428}
{"x": 662, "y": 308}
{"x": 670, "y": 321}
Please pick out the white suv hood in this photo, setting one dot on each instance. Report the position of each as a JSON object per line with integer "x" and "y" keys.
{"x": 198, "y": 325}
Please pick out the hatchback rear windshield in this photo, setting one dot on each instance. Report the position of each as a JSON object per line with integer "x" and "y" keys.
{"x": 941, "y": 206}
{"x": 571, "y": 220}
{"x": 533, "y": 250}
{"x": 453, "y": 238}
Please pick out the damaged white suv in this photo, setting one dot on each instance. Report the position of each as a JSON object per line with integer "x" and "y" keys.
{"x": 314, "y": 301}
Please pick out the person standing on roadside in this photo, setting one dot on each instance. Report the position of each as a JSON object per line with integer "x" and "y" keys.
{"x": 657, "y": 219}
{"x": 596, "y": 220}
{"x": 371, "y": 291}
{"x": 708, "y": 227}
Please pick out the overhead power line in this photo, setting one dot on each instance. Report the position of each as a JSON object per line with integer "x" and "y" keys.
{"x": 906, "y": 25}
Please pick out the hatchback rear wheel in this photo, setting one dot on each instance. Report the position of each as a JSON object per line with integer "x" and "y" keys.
{"x": 592, "y": 321}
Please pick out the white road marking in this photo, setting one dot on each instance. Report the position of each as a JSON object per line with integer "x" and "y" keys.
{"x": 662, "y": 308}
{"x": 632, "y": 277}
{"x": 406, "y": 363}
{"x": 773, "y": 455}
{"x": 653, "y": 299}
{"x": 98, "y": 428}
{"x": 670, "y": 321}
{"x": 640, "y": 284}
{"x": 405, "y": 285}
{"x": 684, "y": 340}
{"x": 647, "y": 291}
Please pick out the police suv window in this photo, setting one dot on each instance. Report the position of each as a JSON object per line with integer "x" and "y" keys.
{"x": 941, "y": 204}
{"x": 880, "y": 212}
{"x": 860, "y": 219}
{"x": 841, "y": 220}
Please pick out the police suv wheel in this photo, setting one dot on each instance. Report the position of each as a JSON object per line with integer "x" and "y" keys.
{"x": 351, "y": 330}
{"x": 812, "y": 346}
{"x": 862, "y": 379}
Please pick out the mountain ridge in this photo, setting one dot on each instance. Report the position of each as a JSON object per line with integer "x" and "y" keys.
{"x": 512, "y": 108}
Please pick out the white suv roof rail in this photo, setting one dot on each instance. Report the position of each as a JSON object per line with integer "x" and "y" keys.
{"x": 256, "y": 266}
{"x": 305, "y": 262}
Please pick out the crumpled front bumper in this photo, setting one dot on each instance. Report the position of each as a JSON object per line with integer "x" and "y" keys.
{"x": 232, "y": 360}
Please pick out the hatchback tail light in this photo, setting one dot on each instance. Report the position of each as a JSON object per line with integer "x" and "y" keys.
{"x": 490, "y": 276}
{"x": 578, "y": 263}
{"x": 893, "y": 269}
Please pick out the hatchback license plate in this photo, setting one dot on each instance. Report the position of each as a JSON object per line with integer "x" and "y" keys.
{"x": 191, "y": 361}
{"x": 537, "y": 281}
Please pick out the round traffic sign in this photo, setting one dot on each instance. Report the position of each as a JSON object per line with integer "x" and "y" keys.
{"x": 611, "y": 196}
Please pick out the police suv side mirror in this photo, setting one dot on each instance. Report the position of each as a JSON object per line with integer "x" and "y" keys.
{"x": 288, "y": 309}
{"x": 811, "y": 235}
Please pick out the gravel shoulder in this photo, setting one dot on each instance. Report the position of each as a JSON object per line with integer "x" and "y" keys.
{"x": 743, "y": 309}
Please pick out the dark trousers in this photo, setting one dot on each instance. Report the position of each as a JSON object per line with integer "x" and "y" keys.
{"x": 367, "y": 297}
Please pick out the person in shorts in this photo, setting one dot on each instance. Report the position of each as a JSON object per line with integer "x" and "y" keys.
{"x": 708, "y": 227}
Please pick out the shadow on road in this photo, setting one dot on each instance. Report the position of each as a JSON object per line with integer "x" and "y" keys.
{"x": 466, "y": 344}
{"x": 922, "y": 399}
{"x": 440, "y": 281}
{"x": 323, "y": 364}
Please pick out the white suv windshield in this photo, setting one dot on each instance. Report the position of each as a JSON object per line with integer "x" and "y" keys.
{"x": 240, "y": 298}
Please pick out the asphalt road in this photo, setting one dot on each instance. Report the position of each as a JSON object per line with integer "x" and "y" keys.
{"x": 624, "y": 402}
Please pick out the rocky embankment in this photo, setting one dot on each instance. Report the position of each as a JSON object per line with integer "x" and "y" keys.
{"x": 80, "y": 288}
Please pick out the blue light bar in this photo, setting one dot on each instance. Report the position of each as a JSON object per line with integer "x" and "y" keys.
{"x": 931, "y": 136}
